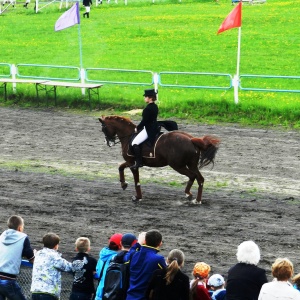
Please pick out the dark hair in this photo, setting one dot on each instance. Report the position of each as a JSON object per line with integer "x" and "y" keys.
{"x": 50, "y": 240}
{"x": 113, "y": 246}
{"x": 14, "y": 222}
{"x": 153, "y": 238}
{"x": 175, "y": 260}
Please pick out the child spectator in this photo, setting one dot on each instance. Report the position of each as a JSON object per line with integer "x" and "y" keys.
{"x": 216, "y": 282}
{"x": 169, "y": 283}
{"x": 47, "y": 268}
{"x": 105, "y": 256}
{"x": 14, "y": 244}
{"x": 127, "y": 241}
{"x": 84, "y": 268}
{"x": 199, "y": 289}
{"x": 144, "y": 261}
{"x": 296, "y": 281}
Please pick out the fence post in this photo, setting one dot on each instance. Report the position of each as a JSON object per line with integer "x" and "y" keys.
{"x": 155, "y": 81}
{"x": 235, "y": 83}
{"x": 82, "y": 78}
{"x": 13, "y": 76}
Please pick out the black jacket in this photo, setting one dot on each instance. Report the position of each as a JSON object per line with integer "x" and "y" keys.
{"x": 149, "y": 121}
{"x": 178, "y": 289}
{"x": 244, "y": 282}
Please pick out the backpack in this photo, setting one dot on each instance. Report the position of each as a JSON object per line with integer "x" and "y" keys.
{"x": 116, "y": 280}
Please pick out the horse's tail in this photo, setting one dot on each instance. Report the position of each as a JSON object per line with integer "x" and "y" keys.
{"x": 208, "y": 146}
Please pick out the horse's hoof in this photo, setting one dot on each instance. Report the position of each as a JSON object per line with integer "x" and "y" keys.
{"x": 135, "y": 199}
{"x": 189, "y": 197}
{"x": 195, "y": 202}
{"x": 124, "y": 185}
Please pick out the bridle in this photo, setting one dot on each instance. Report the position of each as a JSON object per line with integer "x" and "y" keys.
{"x": 112, "y": 140}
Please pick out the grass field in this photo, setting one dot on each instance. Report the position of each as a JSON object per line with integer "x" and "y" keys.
{"x": 168, "y": 36}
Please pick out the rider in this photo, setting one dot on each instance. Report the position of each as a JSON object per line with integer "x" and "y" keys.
{"x": 147, "y": 127}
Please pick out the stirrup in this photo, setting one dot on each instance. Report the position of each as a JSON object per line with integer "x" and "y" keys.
{"x": 136, "y": 166}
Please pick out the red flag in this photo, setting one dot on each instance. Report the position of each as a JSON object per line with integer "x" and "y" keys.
{"x": 234, "y": 19}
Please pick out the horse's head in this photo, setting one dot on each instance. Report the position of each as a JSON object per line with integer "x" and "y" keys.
{"x": 109, "y": 132}
{"x": 116, "y": 127}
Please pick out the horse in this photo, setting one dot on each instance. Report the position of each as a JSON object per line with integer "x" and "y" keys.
{"x": 179, "y": 150}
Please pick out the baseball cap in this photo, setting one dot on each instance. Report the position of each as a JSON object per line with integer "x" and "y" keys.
{"x": 116, "y": 239}
{"x": 216, "y": 280}
{"x": 128, "y": 240}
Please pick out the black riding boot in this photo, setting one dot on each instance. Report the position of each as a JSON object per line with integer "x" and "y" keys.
{"x": 138, "y": 157}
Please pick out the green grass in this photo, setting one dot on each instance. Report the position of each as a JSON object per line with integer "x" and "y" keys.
{"x": 167, "y": 36}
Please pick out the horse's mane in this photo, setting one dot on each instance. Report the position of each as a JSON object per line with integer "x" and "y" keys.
{"x": 120, "y": 119}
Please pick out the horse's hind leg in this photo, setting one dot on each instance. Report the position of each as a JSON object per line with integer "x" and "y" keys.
{"x": 122, "y": 167}
{"x": 138, "y": 190}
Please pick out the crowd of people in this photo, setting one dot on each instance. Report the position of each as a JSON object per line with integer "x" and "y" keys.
{"x": 151, "y": 275}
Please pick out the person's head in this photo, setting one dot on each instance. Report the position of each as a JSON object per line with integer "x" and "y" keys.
{"x": 216, "y": 282}
{"x": 175, "y": 260}
{"x": 114, "y": 242}
{"x": 176, "y": 256}
{"x": 128, "y": 240}
{"x": 248, "y": 253}
{"x": 282, "y": 269}
{"x": 16, "y": 223}
{"x": 151, "y": 94}
{"x": 153, "y": 238}
{"x": 201, "y": 270}
{"x": 296, "y": 280}
{"x": 82, "y": 244}
{"x": 51, "y": 240}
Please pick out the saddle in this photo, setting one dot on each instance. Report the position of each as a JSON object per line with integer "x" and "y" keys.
{"x": 147, "y": 148}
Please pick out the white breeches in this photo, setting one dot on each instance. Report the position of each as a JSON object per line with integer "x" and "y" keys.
{"x": 87, "y": 9}
{"x": 141, "y": 137}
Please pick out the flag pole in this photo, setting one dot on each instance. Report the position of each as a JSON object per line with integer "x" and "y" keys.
{"x": 236, "y": 78}
{"x": 82, "y": 72}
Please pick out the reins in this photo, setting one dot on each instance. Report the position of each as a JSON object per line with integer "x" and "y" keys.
{"x": 112, "y": 141}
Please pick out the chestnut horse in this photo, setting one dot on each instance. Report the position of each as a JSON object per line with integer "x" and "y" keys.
{"x": 181, "y": 151}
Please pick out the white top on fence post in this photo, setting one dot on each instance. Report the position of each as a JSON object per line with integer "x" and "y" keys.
{"x": 13, "y": 72}
{"x": 82, "y": 78}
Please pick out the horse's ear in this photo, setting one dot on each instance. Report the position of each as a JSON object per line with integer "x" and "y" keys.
{"x": 100, "y": 120}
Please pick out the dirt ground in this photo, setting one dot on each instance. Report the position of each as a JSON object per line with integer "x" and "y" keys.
{"x": 253, "y": 191}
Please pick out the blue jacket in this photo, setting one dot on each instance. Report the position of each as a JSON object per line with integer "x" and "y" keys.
{"x": 13, "y": 246}
{"x": 142, "y": 265}
{"x": 105, "y": 257}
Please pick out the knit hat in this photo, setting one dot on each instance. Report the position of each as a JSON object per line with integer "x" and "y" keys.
{"x": 201, "y": 270}
{"x": 216, "y": 280}
{"x": 115, "y": 240}
{"x": 128, "y": 240}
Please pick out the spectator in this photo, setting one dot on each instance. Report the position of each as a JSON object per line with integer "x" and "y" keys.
{"x": 280, "y": 288}
{"x": 47, "y": 268}
{"x": 127, "y": 241}
{"x": 216, "y": 283}
{"x": 145, "y": 260}
{"x": 87, "y": 4}
{"x": 105, "y": 256}
{"x": 245, "y": 279}
{"x": 84, "y": 268}
{"x": 199, "y": 289}
{"x": 14, "y": 244}
{"x": 169, "y": 283}
{"x": 296, "y": 282}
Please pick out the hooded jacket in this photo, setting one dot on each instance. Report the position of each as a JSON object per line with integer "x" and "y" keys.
{"x": 13, "y": 246}
{"x": 105, "y": 257}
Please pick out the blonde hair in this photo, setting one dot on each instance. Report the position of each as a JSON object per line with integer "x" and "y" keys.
{"x": 282, "y": 269}
{"x": 83, "y": 244}
{"x": 176, "y": 260}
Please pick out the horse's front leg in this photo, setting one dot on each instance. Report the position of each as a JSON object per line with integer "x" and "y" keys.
{"x": 122, "y": 167}
{"x": 137, "y": 185}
